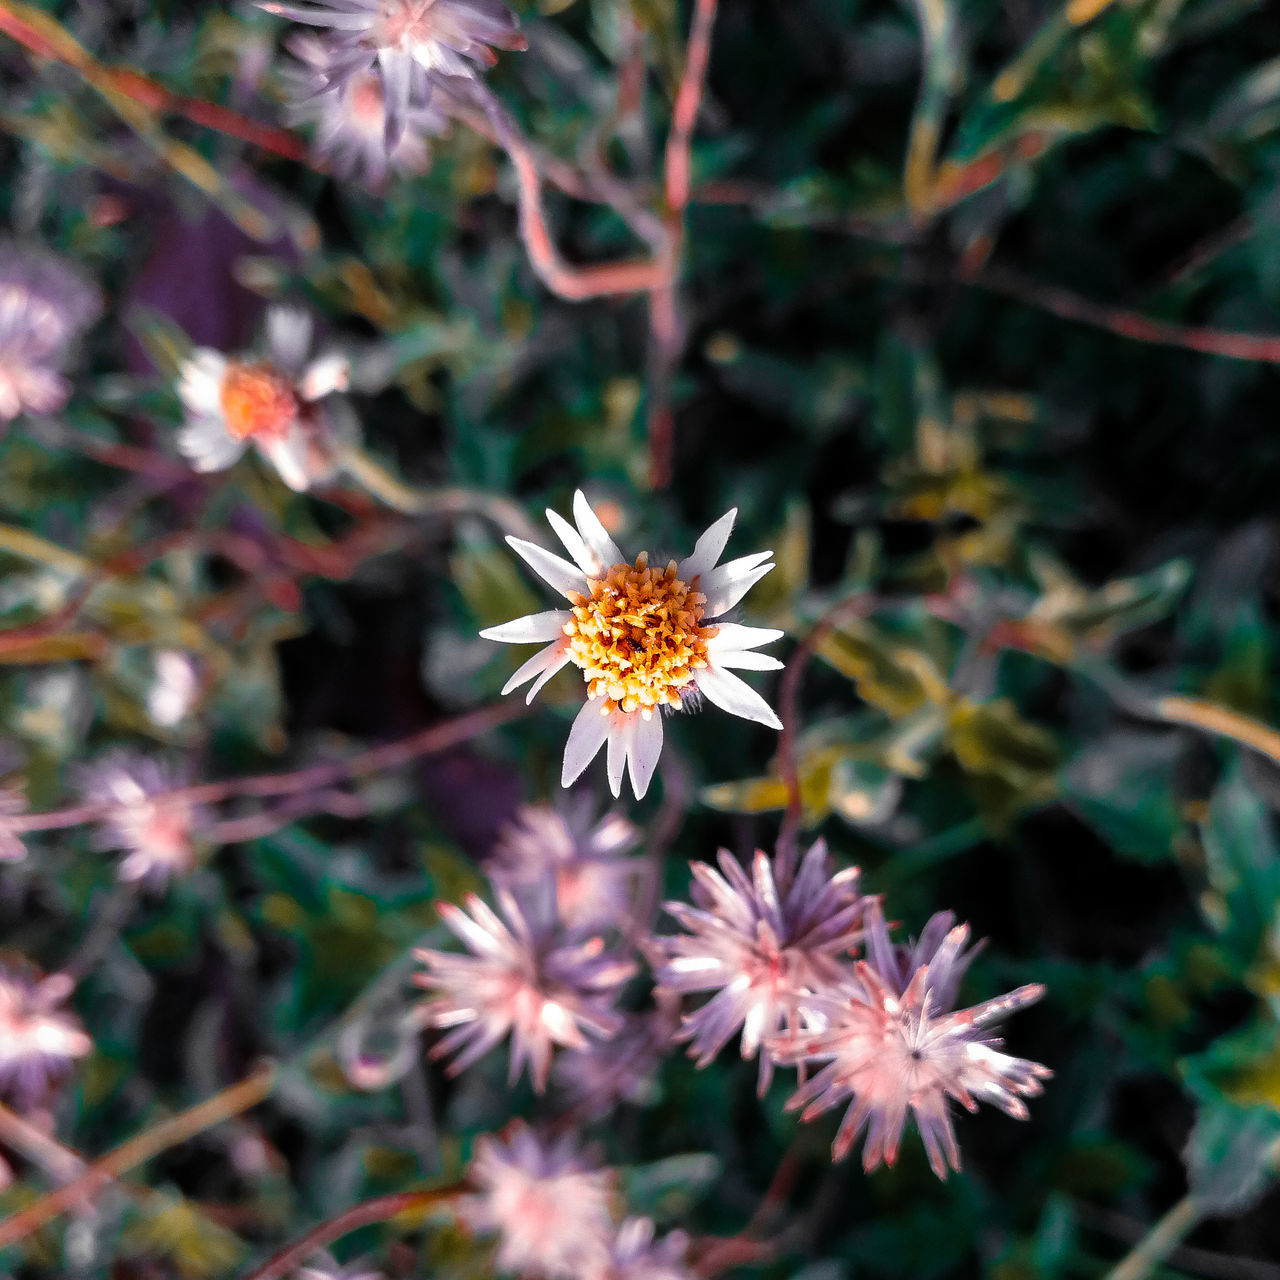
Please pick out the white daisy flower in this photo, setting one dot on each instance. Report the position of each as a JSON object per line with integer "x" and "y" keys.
{"x": 274, "y": 403}
{"x": 644, "y": 638}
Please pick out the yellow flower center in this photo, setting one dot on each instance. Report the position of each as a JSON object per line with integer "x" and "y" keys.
{"x": 257, "y": 399}
{"x": 638, "y": 636}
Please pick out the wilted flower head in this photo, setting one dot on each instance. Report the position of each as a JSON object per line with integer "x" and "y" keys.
{"x": 525, "y": 978}
{"x": 38, "y": 1040}
{"x": 174, "y": 689}
{"x": 412, "y": 42}
{"x": 891, "y": 1049}
{"x": 579, "y": 855}
{"x": 157, "y": 829}
{"x": 45, "y": 303}
{"x": 351, "y": 119}
{"x": 276, "y": 403}
{"x": 635, "y": 1254}
{"x": 765, "y": 948}
{"x": 548, "y": 1204}
{"x": 644, "y": 638}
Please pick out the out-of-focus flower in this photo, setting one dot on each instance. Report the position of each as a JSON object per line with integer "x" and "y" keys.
{"x": 13, "y": 802}
{"x": 644, "y": 639}
{"x": 623, "y": 1068}
{"x": 765, "y": 948}
{"x": 592, "y": 883}
{"x": 351, "y": 121}
{"x": 327, "y": 1268}
{"x": 891, "y": 1048}
{"x": 635, "y": 1254}
{"x": 38, "y": 1040}
{"x": 174, "y": 689}
{"x": 45, "y": 304}
{"x": 549, "y": 1206}
{"x": 157, "y": 830}
{"x": 525, "y": 978}
{"x": 275, "y": 403}
{"x": 411, "y": 42}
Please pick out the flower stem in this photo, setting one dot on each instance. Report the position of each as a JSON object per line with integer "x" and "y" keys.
{"x": 1155, "y": 1246}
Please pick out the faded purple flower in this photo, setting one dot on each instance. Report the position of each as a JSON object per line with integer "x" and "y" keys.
{"x": 593, "y": 885}
{"x": 38, "y": 1040}
{"x": 411, "y": 42}
{"x": 892, "y": 1044}
{"x": 635, "y": 1254}
{"x": 549, "y": 1206}
{"x": 351, "y": 121}
{"x": 45, "y": 304}
{"x": 525, "y": 978}
{"x": 764, "y": 948}
{"x": 623, "y": 1068}
{"x": 157, "y": 830}
{"x": 277, "y": 404}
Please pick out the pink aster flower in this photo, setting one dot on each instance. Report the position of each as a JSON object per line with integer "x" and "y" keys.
{"x": 157, "y": 830}
{"x": 765, "y": 948}
{"x": 549, "y": 1206}
{"x": 525, "y": 978}
{"x": 413, "y": 43}
{"x": 38, "y": 1040}
{"x": 351, "y": 120}
{"x": 892, "y": 1043}
{"x": 644, "y": 638}
{"x": 45, "y": 304}
{"x": 593, "y": 885}
{"x": 635, "y": 1254}
{"x": 276, "y": 403}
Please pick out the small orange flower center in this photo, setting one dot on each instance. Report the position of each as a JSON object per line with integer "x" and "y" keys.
{"x": 638, "y": 637}
{"x": 257, "y": 399}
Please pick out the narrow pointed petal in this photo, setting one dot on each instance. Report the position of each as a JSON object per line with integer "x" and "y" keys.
{"x": 725, "y": 586}
{"x": 736, "y": 697}
{"x": 646, "y": 747}
{"x": 583, "y": 556}
{"x": 544, "y": 664}
{"x": 594, "y": 534}
{"x": 620, "y": 737}
{"x": 533, "y": 628}
{"x": 708, "y": 549}
{"x": 586, "y": 737}
{"x": 564, "y": 577}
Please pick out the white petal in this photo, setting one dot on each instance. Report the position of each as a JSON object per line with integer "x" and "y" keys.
{"x": 324, "y": 376}
{"x": 708, "y": 549}
{"x": 533, "y": 628}
{"x": 200, "y": 381}
{"x": 744, "y": 660}
{"x": 288, "y": 454}
{"x": 725, "y": 586}
{"x": 646, "y": 747}
{"x": 594, "y": 534}
{"x": 620, "y": 739}
{"x": 288, "y": 337}
{"x": 733, "y": 637}
{"x": 574, "y": 545}
{"x": 586, "y": 737}
{"x": 544, "y": 664}
{"x": 558, "y": 573}
{"x": 206, "y": 443}
{"x": 735, "y": 696}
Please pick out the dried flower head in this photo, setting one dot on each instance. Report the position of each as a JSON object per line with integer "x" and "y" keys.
{"x": 276, "y": 403}
{"x": 351, "y": 119}
{"x": 891, "y": 1048}
{"x": 412, "y": 43}
{"x": 593, "y": 884}
{"x": 765, "y": 948}
{"x": 644, "y": 638}
{"x": 548, "y": 1204}
{"x": 157, "y": 829}
{"x": 636, "y": 1254}
{"x": 45, "y": 304}
{"x": 525, "y": 978}
{"x": 38, "y": 1040}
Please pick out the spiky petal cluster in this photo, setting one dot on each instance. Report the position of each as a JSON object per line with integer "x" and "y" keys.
{"x": 275, "y": 402}
{"x": 577, "y": 854}
{"x": 549, "y": 1206}
{"x": 893, "y": 1045}
{"x": 765, "y": 948}
{"x": 413, "y": 44}
{"x": 635, "y": 1253}
{"x": 157, "y": 829}
{"x": 38, "y": 1040}
{"x": 350, "y": 118}
{"x": 525, "y": 978}
{"x": 45, "y": 304}
{"x": 644, "y": 638}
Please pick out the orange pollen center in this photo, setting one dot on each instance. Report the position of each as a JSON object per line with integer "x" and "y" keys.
{"x": 257, "y": 400}
{"x": 638, "y": 637}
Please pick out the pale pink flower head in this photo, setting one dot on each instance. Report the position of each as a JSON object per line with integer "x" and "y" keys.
{"x": 159, "y": 831}
{"x": 595, "y": 1080}
{"x": 45, "y": 304}
{"x": 764, "y": 948}
{"x": 636, "y": 1253}
{"x": 891, "y": 1049}
{"x": 575, "y": 852}
{"x": 549, "y": 1205}
{"x": 645, "y": 639}
{"x": 38, "y": 1040}
{"x": 275, "y": 401}
{"x": 525, "y": 977}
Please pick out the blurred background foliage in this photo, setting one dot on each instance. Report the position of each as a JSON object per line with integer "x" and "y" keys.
{"x": 926, "y": 245}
